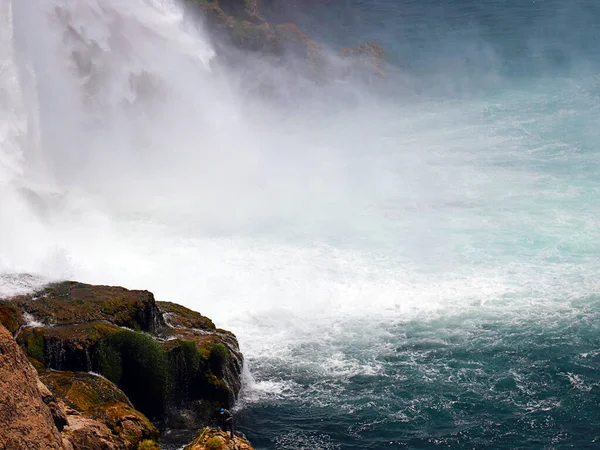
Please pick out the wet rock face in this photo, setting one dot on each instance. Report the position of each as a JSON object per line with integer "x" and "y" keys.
{"x": 169, "y": 363}
{"x": 26, "y": 421}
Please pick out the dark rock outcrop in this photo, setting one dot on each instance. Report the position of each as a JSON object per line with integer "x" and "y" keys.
{"x": 241, "y": 24}
{"x": 160, "y": 360}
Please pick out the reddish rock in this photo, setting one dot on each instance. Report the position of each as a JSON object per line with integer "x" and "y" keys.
{"x": 56, "y": 406}
{"x": 88, "y": 434}
{"x": 293, "y": 42}
{"x": 366, "y": 59}
{"x": 26, "y": 422}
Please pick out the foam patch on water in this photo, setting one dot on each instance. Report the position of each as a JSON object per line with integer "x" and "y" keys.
{"x": 301, "y": 440}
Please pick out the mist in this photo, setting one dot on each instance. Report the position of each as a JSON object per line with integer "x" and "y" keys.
{"x": 132, "y": 155}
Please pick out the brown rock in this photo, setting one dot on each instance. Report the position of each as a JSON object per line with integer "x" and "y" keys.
{"x": 25, "y": 420}
{"x": 77, "y": 303}
{"x": 94, "y": 397}
{"x": 10, "y": 317}
{"x": 366, "y": 59}
{"x": 292, "y": 41}
{"x": 212, "y": 438}
{"x": 88, "y": 434}
{"x": 57, "y": 407}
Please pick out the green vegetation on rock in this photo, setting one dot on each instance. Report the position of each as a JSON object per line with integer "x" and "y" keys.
{"x": 214, "y": 443}
{"x": 148, "y": 445}
{"x": 10, "y": 317}
{"x": 33, "y": 343}
{"x": 177, "y": 372}
{"x": 180, "y": 316}
{"x": 69, "y": 303}
{"x": 97, "y": 398}
{"x": 138, "y": 365}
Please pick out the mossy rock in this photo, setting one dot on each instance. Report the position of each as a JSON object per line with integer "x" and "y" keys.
{"x": 132, "y": 360}
{"x": 70, "y": 303}
{"x": 97, "y": 398}
{"x": 198, "y": 373}
{"x": 68, "y": 347}
{"x": 10, "y": 317}
{"x": 139, "y": 365}
{"x": 83, "y": 391}
{"x": 215, "y": 439}
{"x": 181, "y": 317}
{"x": 148, "y": 445}
{"x": 32, "y": 342}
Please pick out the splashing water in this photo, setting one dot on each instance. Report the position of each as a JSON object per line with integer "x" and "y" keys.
{"x": 412, "y": 271}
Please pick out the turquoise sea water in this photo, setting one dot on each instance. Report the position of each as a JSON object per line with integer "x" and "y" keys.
{"x": 492, "y": 339}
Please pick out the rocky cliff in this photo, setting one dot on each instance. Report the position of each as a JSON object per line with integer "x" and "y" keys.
{"x": 112, "y": 359}
{"x": 242, "y": 24}
{"x": 26, "y": 422}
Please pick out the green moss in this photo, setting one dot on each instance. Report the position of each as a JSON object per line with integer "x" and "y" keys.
{"x": 186, "y": 364}
{"x": 99, "y": 399}
{"x": 148, "y": 445}
{"x": 70, "y": 303}
{"x": 33, "y": 345}
{"x": 109, "y": 361}
{"x": 219, "y": 353}
{"x": 83, "y": 391}
{"x": 138, "y": 365}
{"x": 214, "y": 443}
{"x": 36, "y": 364}
{"x": 180, "y": 316}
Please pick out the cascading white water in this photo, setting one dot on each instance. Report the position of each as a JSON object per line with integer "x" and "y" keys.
{"x": 127, "y": 158}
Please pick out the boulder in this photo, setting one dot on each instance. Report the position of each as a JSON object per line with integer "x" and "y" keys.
{"x": 170, "y": 364}
{"x": 88, "y": 434}
{"x": 96, "y": 398}
{"x": 215, "y": 439}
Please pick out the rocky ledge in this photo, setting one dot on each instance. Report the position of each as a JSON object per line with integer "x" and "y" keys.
{"x": 242, "y": 24}
{"x": 100, "y": 367}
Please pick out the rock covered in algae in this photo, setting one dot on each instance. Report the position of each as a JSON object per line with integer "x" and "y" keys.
{"x": 89, "y": 396}
{"x": 215, "y": 439}
{"x": 170, "y": 364}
